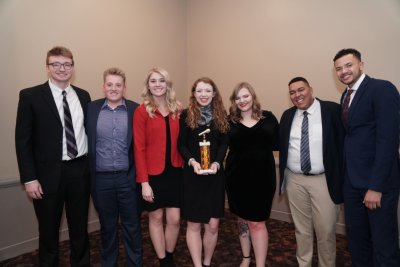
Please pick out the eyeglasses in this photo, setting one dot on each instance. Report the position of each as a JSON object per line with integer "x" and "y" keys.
{"x": 58, "y": 65}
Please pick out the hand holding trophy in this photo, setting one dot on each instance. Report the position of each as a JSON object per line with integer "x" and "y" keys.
{"x": 205, "y": 154}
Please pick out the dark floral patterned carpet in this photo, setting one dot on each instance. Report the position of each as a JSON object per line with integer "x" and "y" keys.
{"x": 281, "y": 251}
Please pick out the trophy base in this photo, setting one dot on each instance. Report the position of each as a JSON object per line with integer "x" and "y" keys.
{"x": 206, "y": 171}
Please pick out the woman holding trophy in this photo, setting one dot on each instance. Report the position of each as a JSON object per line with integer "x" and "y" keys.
{"x": 203, "y": 143}
{"x": 250, "y": 170}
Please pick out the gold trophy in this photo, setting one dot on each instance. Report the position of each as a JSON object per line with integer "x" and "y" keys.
{"x": 205, "y": 153}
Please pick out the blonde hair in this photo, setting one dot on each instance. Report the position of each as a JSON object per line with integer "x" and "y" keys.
{"x": 235, "y": 113}
{"x": 173, "y": 105}
{"x": 217, "y": 107}
{"x": 114, "y": 72}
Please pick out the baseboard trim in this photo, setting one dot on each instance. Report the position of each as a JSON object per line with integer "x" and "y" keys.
{"x": 287, "y": 217}
{"x": 30, "y": 245}
{"x": 281, "y": 216}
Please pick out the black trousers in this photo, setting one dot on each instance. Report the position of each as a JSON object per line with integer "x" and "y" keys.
{"x": 73, "y": 194}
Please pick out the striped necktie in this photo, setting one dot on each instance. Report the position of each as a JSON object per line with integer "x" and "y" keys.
{"x": 72, "y": 150}
{"x": 304, "y": 146}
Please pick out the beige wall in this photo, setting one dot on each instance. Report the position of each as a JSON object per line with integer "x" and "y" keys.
{"x": 264, "y": 42}
{"x": 269, "y": 42}
{"x": 133, "y": 35}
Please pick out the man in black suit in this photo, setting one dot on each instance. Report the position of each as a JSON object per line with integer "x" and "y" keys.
{"x": 112, "y": 169}
{"x": 311, "y": 142}
{"x": 51, "y": 147}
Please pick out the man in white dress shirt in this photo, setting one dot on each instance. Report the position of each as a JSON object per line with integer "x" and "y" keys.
{"x": 51, "y": 147}
{"x": 311, "y": 143}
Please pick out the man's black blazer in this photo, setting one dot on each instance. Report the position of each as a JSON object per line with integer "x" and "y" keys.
{"x": 38, "y": 135}
{"x": 332, "y": 135}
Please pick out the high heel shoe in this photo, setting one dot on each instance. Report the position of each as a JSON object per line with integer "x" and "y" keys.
{"x": 245, "y": 258}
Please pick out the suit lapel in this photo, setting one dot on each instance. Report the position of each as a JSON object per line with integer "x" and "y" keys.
{"x": 359, "y": 93}
{"x": 93, "y": 124}
{"x": 130, "y": 122}
{"x": 292, "y": 112}
{"x": 81, "y": 98}
{"x": 49, "y": 99}
{"x": 325, "y": 125}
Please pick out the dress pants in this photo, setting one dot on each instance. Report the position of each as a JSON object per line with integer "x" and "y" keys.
{"x": 73, "y": 192}
{"x": 115, "y": 198}
{"x": 312, "y": 209}
{"x": 372, "y": 234}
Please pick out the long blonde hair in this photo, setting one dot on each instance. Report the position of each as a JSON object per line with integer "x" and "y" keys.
{"x": 173, "y": 105}
{"x": 217, "y": 106}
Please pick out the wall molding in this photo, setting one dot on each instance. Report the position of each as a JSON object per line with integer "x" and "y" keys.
{"x": 31, "y": 244}
{"x": 287, "y": 217}
{"x": 10, "y": 182}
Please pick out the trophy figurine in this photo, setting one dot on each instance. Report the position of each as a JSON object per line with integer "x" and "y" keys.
{"x": 205, "y": 153}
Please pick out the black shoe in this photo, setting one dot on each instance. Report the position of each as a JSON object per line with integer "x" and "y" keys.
{"x": 170, "y": 259}
{"x": 163, "y": 262}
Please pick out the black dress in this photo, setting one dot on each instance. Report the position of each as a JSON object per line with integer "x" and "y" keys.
{"x": 250, "y": 168}
{"x": 203, "y": 195}
{"x": 167, "y": 185}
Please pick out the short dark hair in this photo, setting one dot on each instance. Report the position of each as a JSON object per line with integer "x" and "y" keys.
{"x": 347, "y": 51}
{"x": 298, "y": 79}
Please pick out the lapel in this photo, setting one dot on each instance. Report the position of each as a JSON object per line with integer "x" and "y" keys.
{"x": 93, "y": 126}
{"x": 130, "y": 109}
{"x": 292, "y": 112}
{"x": 81, "y": 98}
{"x": 49, "y": 99}
{"x": 326, "y": 125}
{"x": 359, "y": 93}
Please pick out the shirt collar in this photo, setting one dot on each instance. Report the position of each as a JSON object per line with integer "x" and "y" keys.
{"x": 122, "y": 105}
{"x": 357, "y": 84}
{"x": 311, "y": 109}
{"x": 57, "y": 90}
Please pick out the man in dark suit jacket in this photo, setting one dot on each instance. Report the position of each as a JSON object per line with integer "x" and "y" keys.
{"x": 112, "y": 169}
{"x": 52, "y": 176}
{"x": 370, "y": 114}
{"x": 314, "y": 191}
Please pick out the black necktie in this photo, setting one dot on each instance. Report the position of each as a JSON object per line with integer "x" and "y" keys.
{"x": 72, "y": 150}
{"x": 345, "y": 106}
{"x": 304, "y": 146}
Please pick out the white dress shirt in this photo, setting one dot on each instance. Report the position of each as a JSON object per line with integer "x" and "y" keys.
{"x": 315, "y": 140}
{"x": 355, "y": 87}
{"x": 77, "y": 118}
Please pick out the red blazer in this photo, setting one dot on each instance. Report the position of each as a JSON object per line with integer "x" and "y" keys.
{"x": 149, "y": 136}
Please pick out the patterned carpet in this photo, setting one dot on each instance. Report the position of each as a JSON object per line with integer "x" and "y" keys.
{"x": 281, "y": 252}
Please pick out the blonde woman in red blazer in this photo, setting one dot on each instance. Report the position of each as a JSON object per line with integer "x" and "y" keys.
{"x": 158, "y": 162}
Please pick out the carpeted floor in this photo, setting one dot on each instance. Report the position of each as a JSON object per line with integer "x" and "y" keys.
{"x": 281, "y": 252}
